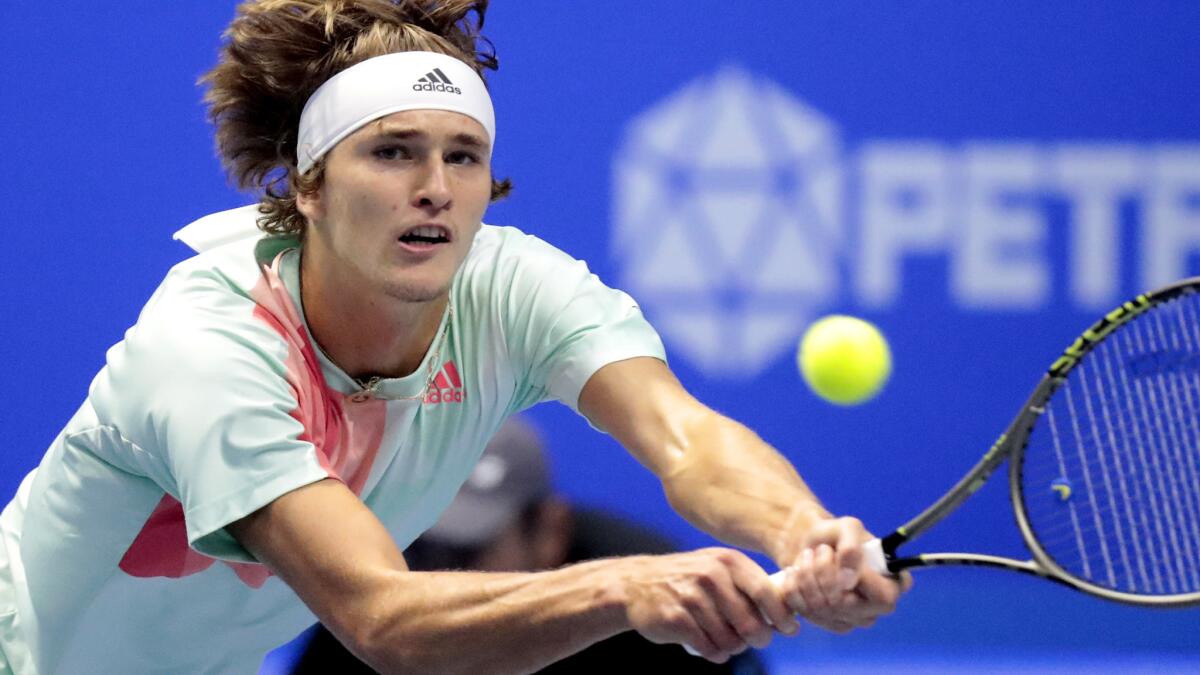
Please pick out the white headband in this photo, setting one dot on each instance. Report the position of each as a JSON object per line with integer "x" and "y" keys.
{"x": 384, "y": 85}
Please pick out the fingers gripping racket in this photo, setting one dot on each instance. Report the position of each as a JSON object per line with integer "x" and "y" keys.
{"x": 1103, "y": 462}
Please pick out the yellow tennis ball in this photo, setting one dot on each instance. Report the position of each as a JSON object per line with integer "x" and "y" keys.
{"x": 844, "y": 360}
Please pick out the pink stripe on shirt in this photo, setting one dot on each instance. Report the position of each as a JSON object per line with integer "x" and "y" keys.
{"x": 345, "y": 434}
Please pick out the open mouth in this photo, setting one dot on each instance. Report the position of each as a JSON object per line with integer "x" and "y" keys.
{"x": 426, "y": 235}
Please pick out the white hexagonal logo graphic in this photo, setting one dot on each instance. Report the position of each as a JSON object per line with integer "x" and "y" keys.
{"x": 727, "y": 220}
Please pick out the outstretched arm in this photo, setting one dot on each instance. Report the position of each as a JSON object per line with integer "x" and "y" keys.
{"x": 724, "y": 479}
{"x": 338, "y": 558}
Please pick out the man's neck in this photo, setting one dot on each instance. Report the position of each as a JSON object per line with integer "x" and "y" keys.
{"x": 365, "y": 332}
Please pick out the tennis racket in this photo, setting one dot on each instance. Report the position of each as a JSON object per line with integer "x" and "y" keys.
{"x": 1103, "y": 462}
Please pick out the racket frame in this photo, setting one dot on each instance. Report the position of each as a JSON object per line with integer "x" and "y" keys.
{"x": 1011, "y": 446}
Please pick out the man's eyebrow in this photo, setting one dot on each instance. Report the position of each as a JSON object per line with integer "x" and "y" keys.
{"x": 470, "y": 140}
{"x": 407, "y": 133}
{"x": 400, "y": 132}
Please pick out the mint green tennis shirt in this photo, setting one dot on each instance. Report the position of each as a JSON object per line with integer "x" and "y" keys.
{"x": 114, "y": 556}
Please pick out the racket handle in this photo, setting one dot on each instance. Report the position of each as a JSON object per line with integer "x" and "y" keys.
{"x": 875, "y": 558}
{"x": 872, "y": 554}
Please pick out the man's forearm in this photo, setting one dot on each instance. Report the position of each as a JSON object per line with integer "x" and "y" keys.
{"x": 468, "y": 622}
{"x": 329, "y": 548}
{"x": 727, "y": 481}
{"x": 339, "y": 559}
{"x": 717, "y": 473}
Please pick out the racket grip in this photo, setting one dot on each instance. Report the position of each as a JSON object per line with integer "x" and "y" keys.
{"x": 875, "y": 558}
{"x": 872, "y": 555}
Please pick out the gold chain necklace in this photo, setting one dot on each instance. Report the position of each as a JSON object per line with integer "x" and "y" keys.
{"x": 369, "y": 385}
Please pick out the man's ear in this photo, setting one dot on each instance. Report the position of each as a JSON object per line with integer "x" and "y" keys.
{"x": 310, "y": 206}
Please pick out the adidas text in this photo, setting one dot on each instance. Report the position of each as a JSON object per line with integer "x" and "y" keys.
{"x": 429, "y": 86}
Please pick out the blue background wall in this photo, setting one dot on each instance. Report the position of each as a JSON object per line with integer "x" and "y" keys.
{"x": 1024, "y": 138}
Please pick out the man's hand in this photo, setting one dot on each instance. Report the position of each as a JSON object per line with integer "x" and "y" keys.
{"x": 716, "y": 600}
{"x": 828, "y": 580}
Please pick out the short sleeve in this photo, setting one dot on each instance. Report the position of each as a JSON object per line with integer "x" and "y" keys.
{"x": 204, "y": 395}
{"x": 561, "y": 323}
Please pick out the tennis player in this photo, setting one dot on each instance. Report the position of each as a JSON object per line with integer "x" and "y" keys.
{"x": 299, "y": 401}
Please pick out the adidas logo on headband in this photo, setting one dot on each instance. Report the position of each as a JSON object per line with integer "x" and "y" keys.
{"x": 384, "y": 85}
{"x": 436, "y": 80}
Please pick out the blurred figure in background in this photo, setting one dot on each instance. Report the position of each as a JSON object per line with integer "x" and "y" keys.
{"x": 507, "y": 518}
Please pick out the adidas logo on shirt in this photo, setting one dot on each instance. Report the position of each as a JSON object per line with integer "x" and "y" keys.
{"x": 436, "y": 80}
{"x": 447, "y": 386}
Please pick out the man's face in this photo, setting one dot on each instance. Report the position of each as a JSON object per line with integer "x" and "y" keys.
{"x": 401, "y": 202}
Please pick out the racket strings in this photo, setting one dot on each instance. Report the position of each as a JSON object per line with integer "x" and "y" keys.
{"x": 1124, "y": 486}
{"x": 1165, "y": 434}
{"x": 1110, "y": 479}
{"x": 1159, "y": 515}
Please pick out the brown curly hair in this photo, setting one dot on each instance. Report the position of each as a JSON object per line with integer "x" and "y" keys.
{"x": 276, "y": 54}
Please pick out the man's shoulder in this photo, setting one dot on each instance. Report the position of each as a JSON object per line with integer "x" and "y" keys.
{"x": 504, "y": 243}
{"x": 221, "y": 281}
{"x": 206, "y": 308}
{"x": 236, "y": 265}
{"x": 507, "y": 259}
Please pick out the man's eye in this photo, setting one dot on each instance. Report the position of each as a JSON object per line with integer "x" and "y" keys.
{"x": 462, "y": 157}
{"x": 392, "y": 152}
